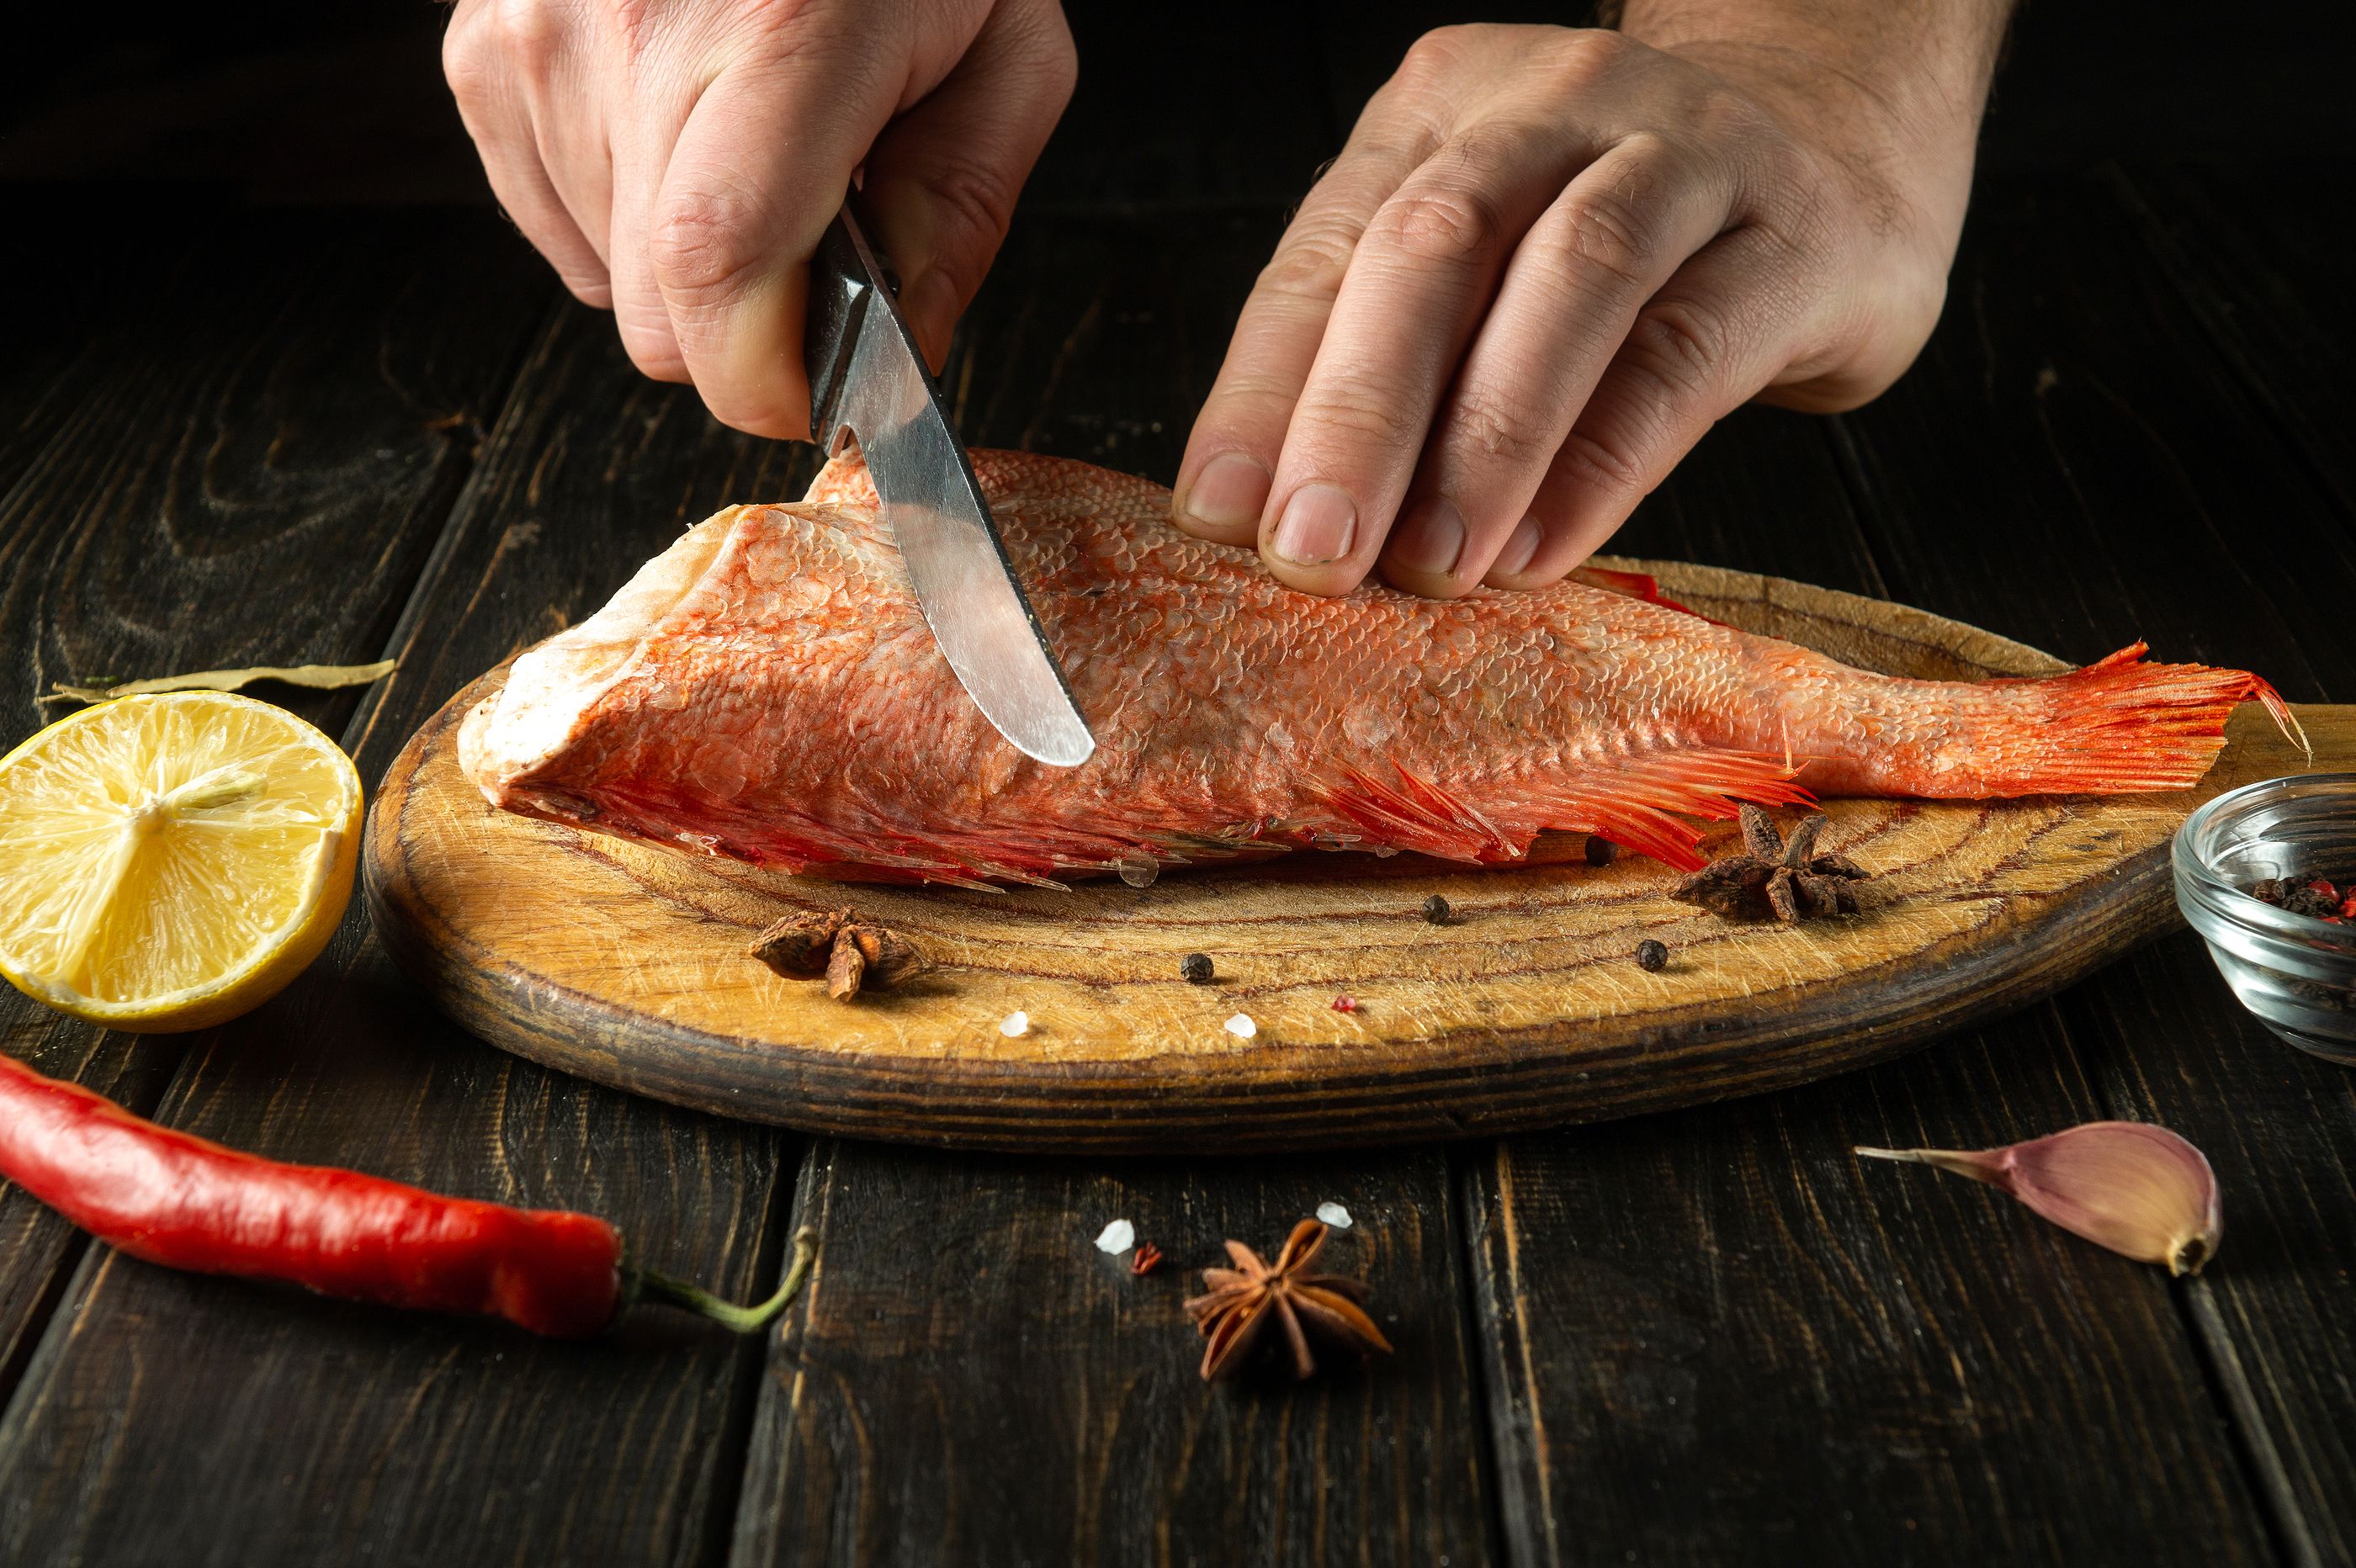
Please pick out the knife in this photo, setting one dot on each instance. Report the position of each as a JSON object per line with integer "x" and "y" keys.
{"x": 868, "y": 380}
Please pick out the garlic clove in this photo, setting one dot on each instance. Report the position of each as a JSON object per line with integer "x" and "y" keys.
{"x": 2136, "y": 1189}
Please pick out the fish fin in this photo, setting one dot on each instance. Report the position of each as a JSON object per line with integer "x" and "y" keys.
{"x": 2120, "y": 725}
{"x": 1638, "y": 802}
{"x": 1639, "y": 585}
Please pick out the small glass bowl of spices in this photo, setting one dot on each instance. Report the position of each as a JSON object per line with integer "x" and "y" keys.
{"x": 2266, "y": 874}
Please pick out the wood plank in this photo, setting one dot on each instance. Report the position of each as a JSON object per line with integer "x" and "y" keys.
{"x": 1712, "y": 1330}
{"x": 355, "y": 1431}
{"x": 275, "y": 406}
{"x": 2224, "y": 537}
{"x": 971, "y": 1380}
{"x": 2268, "y": 285}
{"x": 1718, "y": 1339}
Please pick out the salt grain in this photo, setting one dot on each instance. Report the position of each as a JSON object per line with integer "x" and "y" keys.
{"x": 1014, "y": 1024}
{"x": 1242, "y": 1027}
{"x": 1117, "y": 1237}
{"x": 1335, "y": 1215}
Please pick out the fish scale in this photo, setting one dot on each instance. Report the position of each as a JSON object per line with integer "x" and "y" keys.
{"x": 766, "y": 690}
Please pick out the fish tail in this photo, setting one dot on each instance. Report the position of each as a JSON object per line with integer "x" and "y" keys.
{"x": 2117, "y": 726}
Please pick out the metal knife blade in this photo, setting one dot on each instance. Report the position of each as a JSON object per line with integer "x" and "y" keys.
{"x": 867, "y": 380}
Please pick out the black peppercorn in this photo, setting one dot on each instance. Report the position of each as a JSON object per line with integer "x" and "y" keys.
{"x": 1651, "y": 957}
{"x": 1196, "y": 969}
{"x": 1435, "y": 910}
{"x": 1600, "y": 851}
{"x": 2307, "y": 901}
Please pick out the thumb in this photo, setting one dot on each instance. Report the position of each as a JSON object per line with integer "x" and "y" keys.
{"x": 941, "y": 181}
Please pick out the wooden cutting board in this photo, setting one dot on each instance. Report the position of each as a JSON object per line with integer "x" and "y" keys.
{"x": 626, "y": 964}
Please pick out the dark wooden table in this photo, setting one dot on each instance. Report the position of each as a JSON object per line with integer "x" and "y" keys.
{"x": 1714, "y": 1336}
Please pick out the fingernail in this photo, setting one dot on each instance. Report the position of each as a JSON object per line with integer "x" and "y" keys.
{"x": 1520, "y": 545}
{"x": 1318, "y": 525}
{"x": 1229, "y": 493}
{"x": 1431, "y": 537}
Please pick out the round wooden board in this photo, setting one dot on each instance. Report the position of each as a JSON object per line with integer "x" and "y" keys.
{"x": 626, "y": 964}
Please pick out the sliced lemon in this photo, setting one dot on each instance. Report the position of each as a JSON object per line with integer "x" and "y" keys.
{"x": 169, "y": 862}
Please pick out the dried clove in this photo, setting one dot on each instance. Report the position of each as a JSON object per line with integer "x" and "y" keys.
{"x": 2134, "y": 1187}
{"x": 835, "y": 945}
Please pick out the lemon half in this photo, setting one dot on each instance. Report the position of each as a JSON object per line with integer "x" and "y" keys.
{"x": 168, "y": 862}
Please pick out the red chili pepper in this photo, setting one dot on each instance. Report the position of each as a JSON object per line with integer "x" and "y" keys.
{"x": 188, "y": 1203}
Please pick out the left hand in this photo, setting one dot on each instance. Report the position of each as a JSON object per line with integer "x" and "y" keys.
{"x": 1547, "y": 260}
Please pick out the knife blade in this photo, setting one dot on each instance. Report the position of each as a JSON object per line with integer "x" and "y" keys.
{"x": 868, "y": 380}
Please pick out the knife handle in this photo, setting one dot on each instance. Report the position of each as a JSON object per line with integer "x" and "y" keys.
{"x": 839, "y": 296}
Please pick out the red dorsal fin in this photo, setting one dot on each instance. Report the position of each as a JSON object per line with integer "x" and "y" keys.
{"x": 1637, "y": 585}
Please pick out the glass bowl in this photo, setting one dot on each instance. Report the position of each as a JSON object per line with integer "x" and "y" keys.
{"x": 2296, "y": 972}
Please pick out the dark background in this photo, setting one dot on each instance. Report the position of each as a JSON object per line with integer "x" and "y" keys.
{"x": 344, "y": 103}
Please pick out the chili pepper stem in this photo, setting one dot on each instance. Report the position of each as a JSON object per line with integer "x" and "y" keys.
{"x": 653, "y": 1286}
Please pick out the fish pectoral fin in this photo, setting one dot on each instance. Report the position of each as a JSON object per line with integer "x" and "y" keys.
{"x": 1636, "y": 801}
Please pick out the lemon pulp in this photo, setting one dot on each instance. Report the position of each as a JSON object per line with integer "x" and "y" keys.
{"x": 169, "y": 861}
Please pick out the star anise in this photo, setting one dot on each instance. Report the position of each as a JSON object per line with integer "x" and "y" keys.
{"x": 847, "y": 952}
{"x": 1242, "y": 1299}
{"x": 1787, "y": 879}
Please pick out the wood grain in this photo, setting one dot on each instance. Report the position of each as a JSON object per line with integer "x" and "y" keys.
{"x": 171, "y": 1418}
{"x": 627, "y": 963}
{"x": 294, "y": 432}
{"x": 2183, "y": 469}
{"x": 1721, "y": 1338}
{"x": 971, "y": 1380}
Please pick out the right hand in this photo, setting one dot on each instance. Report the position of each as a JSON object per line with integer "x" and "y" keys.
{"x": 676, "y": 161}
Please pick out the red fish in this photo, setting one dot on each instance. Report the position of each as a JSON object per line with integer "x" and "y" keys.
{"x": 766, "y": 688}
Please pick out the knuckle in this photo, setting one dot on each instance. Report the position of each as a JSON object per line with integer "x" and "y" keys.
{"x": 977, "y": 199}
{"x": 1682, "y": 344}
{"x": 1457, "y": 225}
{"x": 701, "y": 244}
{"x": 528, "y": 33}
{"x": 1438, "y": 53}
{"x": 1311, "y": 263}
{"x": 1581, "y": 58}
{"x": 1353, "y": 411}
{"x": 1609, "y": 234}
{"x": 1492, "y": 428}
{"x": 1600, "y": 463}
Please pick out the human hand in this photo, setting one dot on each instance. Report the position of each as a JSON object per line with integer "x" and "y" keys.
{"x": 1546, "y": 262}
{"x": 678, "y": 160}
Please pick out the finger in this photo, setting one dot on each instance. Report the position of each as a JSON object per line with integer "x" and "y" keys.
{"x": 1568, "y": 298}
{"x": 1223, "y": 479}
{"x": 941, "y": 182}
{"x": 482, "y": 66}
{"x": 758, "y": 171}
{"x": 1723, "y": 328}
{"x": 1426, "y": 266}
{"x": 643, "y": 136}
